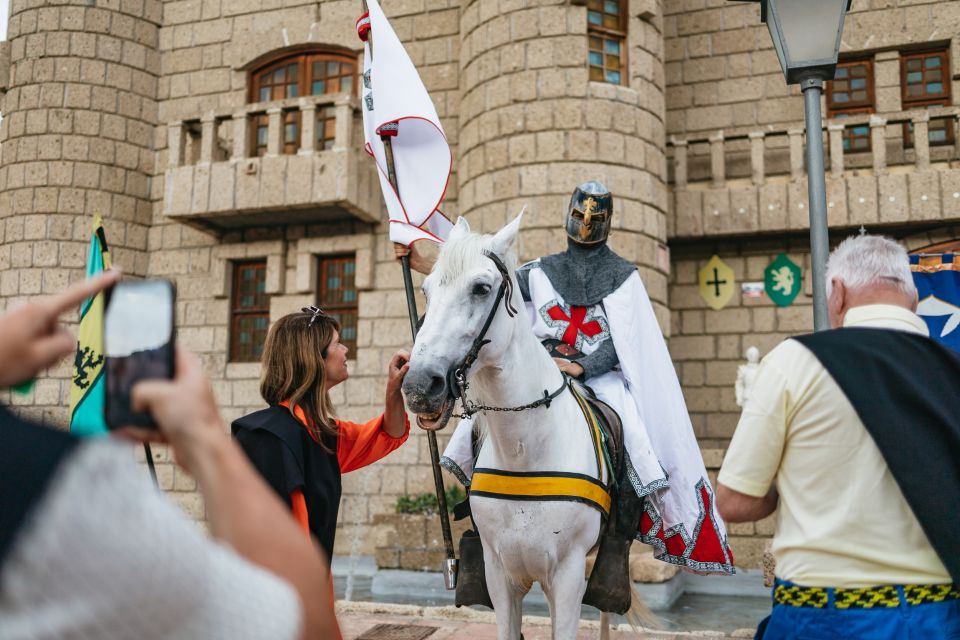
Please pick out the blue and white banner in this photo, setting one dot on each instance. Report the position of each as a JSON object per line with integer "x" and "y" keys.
{"x": 938, "y": 285}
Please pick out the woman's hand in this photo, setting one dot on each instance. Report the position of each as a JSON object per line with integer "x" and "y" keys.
{"x": 31, "y": 337}
{"x": 184, "y": 409}
{"x": 395, "y": 413}
{"x": 396, "y": 370}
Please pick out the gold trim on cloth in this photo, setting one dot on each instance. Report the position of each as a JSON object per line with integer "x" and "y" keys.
{"x": 882, "y": 597}
{"x": 932, "y": 263}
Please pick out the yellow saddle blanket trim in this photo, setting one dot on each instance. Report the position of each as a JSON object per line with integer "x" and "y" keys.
{"x": 540, "y": 485}
{"x": 550, "y": 485}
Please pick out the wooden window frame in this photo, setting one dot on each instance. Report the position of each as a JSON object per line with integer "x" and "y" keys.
{"x": 323, "y": 262}
{"x": 855, "y": 108}
{"x": 942, "y": 99}
{"x": 609, "y": 33}
{"x": 236, "y": 312}
{"x": 305, "y": 61}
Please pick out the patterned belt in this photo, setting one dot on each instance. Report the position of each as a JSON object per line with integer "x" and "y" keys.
{"x": 886, "y": 596}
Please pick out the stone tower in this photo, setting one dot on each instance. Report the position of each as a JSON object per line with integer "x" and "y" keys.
{"x": 76, "y": 139}
{"x": 533, "y": 126}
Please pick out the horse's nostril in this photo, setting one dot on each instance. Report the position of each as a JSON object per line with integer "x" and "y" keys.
{"x": 436, "y": 387}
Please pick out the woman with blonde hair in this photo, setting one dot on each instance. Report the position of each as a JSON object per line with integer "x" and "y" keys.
{"x": 297, "y": 443}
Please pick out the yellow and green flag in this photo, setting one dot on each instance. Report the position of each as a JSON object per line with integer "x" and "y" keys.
{"x": 87, "y": 389}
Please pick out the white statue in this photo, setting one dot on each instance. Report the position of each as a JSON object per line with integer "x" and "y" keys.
{"x": 746, "y": 375}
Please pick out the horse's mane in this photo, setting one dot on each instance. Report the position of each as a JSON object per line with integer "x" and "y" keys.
{"x": 464, "y": 253}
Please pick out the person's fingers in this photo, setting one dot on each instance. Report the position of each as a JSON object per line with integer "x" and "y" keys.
{"x": 139, "y": 435}
{"x": 187, "y": 365}
{"x": 50, "y": 349}
{"x": 396, "y": 361}
{"x": 73, "y": 296}
{"x": 400, "y": 250}
{"x": 147, "y": 393}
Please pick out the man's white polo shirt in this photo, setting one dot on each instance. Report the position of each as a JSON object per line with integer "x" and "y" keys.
{"x": 842, "y": 520}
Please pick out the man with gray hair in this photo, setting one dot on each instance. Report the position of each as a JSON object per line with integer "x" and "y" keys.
{"x": 852, "y": 437}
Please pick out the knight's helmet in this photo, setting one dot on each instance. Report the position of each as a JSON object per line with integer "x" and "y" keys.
{"x": 589, "y": 214}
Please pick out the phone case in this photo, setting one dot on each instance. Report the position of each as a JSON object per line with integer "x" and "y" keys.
{"x": 121, "y": 374}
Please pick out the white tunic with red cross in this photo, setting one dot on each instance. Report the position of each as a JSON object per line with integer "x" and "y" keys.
{"x": 583, "y": 328}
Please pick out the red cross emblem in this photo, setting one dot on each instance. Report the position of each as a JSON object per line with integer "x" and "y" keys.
{"x": 575, "y": 323}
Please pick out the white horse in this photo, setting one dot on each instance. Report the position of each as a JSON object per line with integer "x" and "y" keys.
{"x": 523, "y": 541}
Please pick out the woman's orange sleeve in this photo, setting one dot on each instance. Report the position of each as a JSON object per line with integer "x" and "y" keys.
{"x": 299, "y": 507}
{"x": 361, "y": 444}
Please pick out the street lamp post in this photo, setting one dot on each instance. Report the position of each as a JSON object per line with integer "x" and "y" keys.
{"x": 806, "y": 35}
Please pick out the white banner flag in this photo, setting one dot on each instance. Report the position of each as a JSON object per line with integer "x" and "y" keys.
{"x": 395, "y": 101}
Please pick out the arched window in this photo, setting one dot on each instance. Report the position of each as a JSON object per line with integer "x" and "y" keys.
{"x": 301, "y": 74}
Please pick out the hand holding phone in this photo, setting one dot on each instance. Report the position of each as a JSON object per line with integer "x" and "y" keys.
{"x": 138, "y": 336}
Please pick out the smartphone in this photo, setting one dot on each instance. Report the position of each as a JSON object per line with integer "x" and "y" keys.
{"x": 138, "y": 335}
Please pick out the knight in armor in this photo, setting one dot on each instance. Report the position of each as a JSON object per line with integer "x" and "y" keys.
{"x": 589, "y": 308}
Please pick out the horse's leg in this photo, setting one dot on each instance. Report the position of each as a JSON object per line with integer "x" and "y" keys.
{"x": 507, "y": 598}
{"x": 565, "y": 595}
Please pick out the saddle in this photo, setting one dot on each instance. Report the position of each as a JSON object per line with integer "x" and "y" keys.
{"x": 609, "y": 587}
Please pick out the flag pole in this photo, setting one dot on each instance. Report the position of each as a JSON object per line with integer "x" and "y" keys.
{"x": 108, "y": 264}
{"x": 450, "y": 565}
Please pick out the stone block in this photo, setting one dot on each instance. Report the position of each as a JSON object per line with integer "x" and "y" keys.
{"x": 837, "y": 213}
{"x": 862, "y": 200}
{"x": 924, "y": 188}
{"x": 894, "y": 202}
{"x": 798, "y": 211}
{"x": 773, "y": 206}
{"x": 200, "y": 202}
{"x": 716, "y": 211}
{"x": 950, "y": 193}
{"x": 387, "y": 558}
{"x": 645, "y": 569}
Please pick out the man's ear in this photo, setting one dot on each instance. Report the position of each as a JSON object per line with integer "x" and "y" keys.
{"x": 838, "y": 297}
{"x": 505, "y": 240}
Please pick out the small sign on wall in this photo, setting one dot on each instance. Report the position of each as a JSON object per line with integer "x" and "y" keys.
{"x": 783, "y": 280}
{"x": 752, "y": 290}
{"x": 716, "y": 283}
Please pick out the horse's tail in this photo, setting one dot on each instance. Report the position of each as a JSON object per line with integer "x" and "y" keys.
{"x": 639, "y": 616}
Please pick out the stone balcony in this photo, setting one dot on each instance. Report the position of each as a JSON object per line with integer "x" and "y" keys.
{"x": 745, "y": 182}
{"x": 217, "y": 181}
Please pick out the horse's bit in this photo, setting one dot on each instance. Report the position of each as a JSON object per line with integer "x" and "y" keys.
{"x": 458, "y": 375}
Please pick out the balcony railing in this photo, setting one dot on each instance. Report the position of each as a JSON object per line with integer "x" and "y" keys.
{"x": 223, "y": 172}
{"x": 739, "y": 181}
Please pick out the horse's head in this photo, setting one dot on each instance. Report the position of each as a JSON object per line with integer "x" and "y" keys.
{"x": 461, "y": 293}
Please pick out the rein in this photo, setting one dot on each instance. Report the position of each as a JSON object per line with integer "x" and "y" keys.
{"x": 458, "y": 376}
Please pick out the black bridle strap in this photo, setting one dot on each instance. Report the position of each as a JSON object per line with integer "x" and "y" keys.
{"x": 459, "y": 374}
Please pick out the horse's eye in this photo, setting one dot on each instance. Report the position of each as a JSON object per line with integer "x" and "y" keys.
{"x": 481, "y": 289}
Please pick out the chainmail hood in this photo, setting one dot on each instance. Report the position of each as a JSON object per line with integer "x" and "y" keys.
{"x": 586, "y": 274}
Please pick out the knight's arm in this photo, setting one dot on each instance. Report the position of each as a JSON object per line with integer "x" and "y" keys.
{"x": 600, "y": 361}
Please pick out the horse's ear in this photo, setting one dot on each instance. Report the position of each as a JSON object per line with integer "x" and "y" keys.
{"x": 460, "y": 229}
{"x": 505, "y": 239}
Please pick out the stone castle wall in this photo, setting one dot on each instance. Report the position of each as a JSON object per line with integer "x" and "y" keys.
{"x": 76, "y": 139}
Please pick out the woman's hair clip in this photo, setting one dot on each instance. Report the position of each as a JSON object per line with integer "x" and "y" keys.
{"x": 315, "y": 312}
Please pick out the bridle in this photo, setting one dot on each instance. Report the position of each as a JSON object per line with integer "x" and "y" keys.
{"x": 457, "y": 379}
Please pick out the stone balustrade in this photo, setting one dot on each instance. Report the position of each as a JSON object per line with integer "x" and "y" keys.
{"x": 734, "y": 182}
{"x": 219, "y": 178}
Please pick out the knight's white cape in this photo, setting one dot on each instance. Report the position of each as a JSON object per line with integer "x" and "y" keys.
{"x": 680, "y": 519}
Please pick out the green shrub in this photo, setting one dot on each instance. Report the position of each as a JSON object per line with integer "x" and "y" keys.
{"x": 426, "y": 503}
